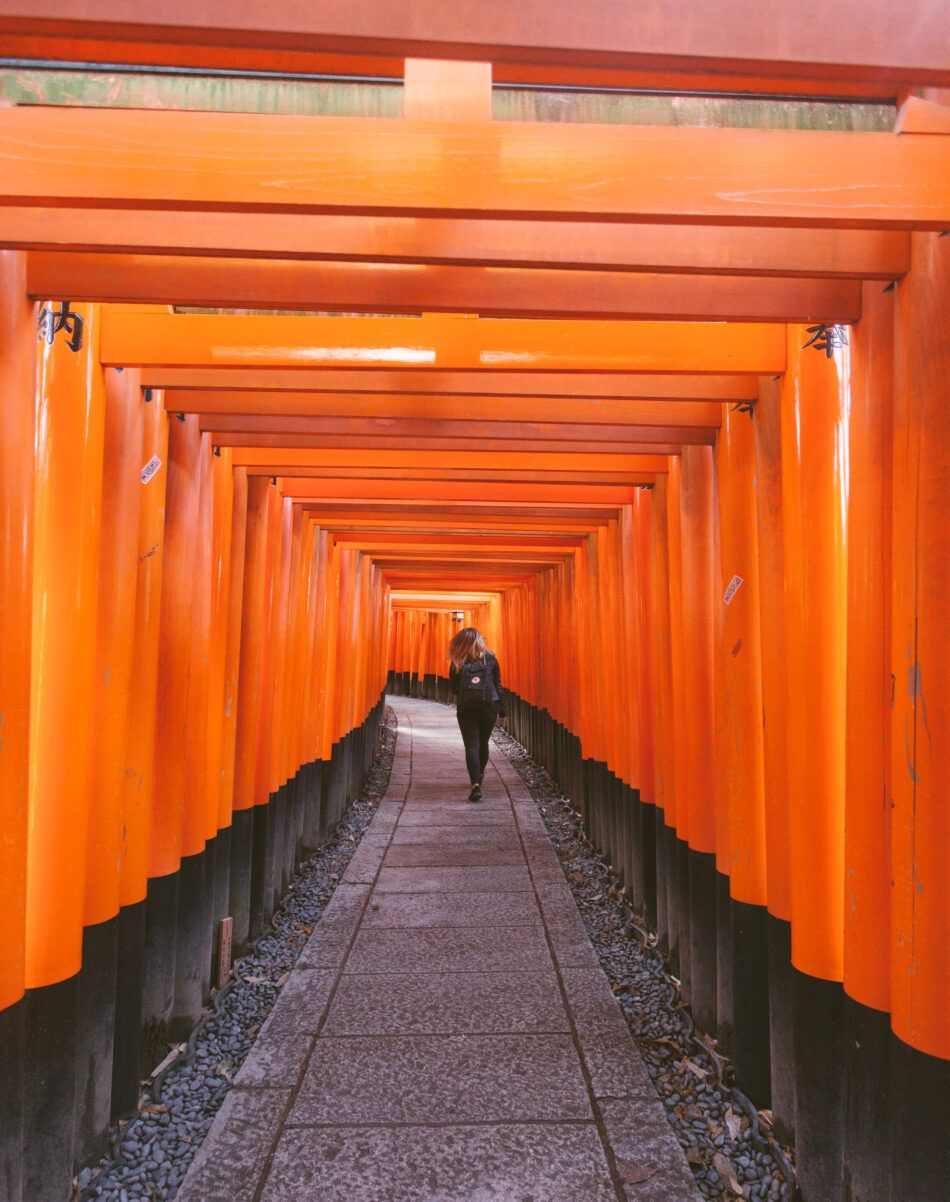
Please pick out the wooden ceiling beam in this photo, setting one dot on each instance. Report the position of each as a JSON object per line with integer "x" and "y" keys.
{"x": 437, "y": 342}
{"x": 463, "y": 242}
{"x": 882, "y": 41}
{"x": 408, "y": 288}
{"x": 180, "y": 161}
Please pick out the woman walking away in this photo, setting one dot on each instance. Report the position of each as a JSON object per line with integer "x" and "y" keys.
{"x": 475, "y": 678}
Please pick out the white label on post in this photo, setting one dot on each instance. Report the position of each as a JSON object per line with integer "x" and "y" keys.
{"x": 150, "y": 469}
{"x": 732, "y": 589}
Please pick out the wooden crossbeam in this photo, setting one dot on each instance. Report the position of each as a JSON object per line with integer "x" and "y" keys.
{"x": 858, "y": 42}
{"x": 253, "y": 163}
{"x": 408, "y": 288}
{"x": 463, "y": 242}
{"x": 472, "y": 433}
{"x": 132, "y": 339}
{"x": 231, "y": 389}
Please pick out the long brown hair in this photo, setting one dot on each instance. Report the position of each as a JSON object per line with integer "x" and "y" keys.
{"x": 466, "y": 647}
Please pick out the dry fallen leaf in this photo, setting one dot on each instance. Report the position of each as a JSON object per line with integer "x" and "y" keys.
{"x": 694, "y": 1156}
{"x": 637, "y": 1173}
{"x": 733, "y": 1122}
{"x": 714, "y": 1128}
{"x": 723, "y": 1166}
{"x": 695, "y": 1069}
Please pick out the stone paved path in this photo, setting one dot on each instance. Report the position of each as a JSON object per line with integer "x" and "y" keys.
{"x": 448, "y": 1034}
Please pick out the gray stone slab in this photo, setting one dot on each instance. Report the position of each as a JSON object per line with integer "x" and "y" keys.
{"x": 327, "y": 946}
{"x": 593, "y": 1002}
{"x": 365, "y": 864}
{"x": 302, "y": 1003}
{"x": 346, "y": 903}
{"x": 469, "y": 815}
{"x": 449, "y": 949}
{"x": 615, "y": 1065}
{"x": 460, "y": 1078}
{"x": 452, "y": 910}
{"x": 447, "y": 1004}
{"x": 439, "y": 855}
{"x": 275, "y": 1060}
{"x": 561, "y": 1162}
{"x": 229, "y": 1164}
{"x": 455, "y": 834}
{"x": 455, "y": 880}
{"x": 643, "y": 1140}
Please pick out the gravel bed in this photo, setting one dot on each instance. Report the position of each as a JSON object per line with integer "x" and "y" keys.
{"x": 151, "y": 1152}
{"x": 720, "y": 1131}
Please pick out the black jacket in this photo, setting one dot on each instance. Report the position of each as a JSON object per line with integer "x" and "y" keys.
{"x": 491, "y": 663}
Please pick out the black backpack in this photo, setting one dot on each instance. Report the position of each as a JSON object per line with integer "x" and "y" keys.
{"x": 476, "y": 684}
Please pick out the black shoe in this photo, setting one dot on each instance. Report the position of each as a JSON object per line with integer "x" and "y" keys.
{"x": 476, "y": 793}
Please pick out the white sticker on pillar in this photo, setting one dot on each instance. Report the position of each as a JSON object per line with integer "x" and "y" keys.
{"x": 150, "y": 469}
{"x": 732, "y": 589}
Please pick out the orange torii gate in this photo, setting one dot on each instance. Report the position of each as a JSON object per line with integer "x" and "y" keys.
{"x": 611, "y": 492}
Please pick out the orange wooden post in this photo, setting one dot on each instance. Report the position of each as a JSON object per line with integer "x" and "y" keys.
{"x": 740, "y": 754}
{"x": 121, "y": 495}
{"x": 140, "y": 730}
{"x": 645, "y": 707}
{"x": 666, "y": 717}
{"x": 814, "y": 402}
{"x": 17, "y": 464}
{"x": 868, "y": 734}
{"x": 230, "y": 512}
{"x": 740, "y": 759}
{"x": 697, "y": 500}
{"x": 69, "y": 449}
{"x": 920, "y": 915}
{"x": 867, "y": 819}
{"x": 68, "y": 498}
{"x": 815, "y": 397}
{"x": 175, "y": 645}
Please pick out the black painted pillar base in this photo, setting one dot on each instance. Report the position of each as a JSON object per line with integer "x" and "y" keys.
{"x": 782, "y": 1028}
{"x": 920, "y": 1123}
{"x": 661, "y": 875}
{"x": 11, "y": 1101}
{"x": 257, "y": 900}
{"x": 51, "y": 1017}
{"x": 239, "y": 882}
{"x": 192, "y": 953}
{"x": 867, "y": 1129}
{"x": 222, "y": 878}
{"x": 819, "y": 1087}
{"x": 750, "y": 959}
{"x": 702, "y": 939}
{"x": 647, "y": 814}
{"x": 158, "y": 994}
{"x": 684, "y": 912}
{"x": 725, "y": 1001}
{"x": 95, "y": 1037}
{"x": 130, "y": 983}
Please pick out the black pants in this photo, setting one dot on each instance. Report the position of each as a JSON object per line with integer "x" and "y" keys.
{"x": 475, "y": 723}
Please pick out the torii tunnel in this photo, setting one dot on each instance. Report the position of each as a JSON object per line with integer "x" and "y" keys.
{"x": 621, "y": 332}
